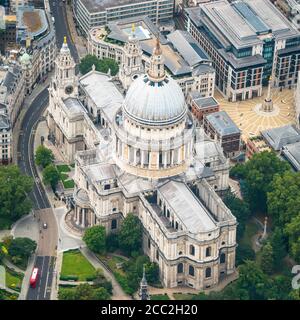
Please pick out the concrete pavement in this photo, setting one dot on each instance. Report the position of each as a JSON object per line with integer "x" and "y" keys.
{"x": 26, "y": 227}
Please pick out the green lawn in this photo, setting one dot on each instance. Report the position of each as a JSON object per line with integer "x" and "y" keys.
{"x": 183, "y": 296}
{"x": 63, "y": 168}
{"x": 13, "y": 280}
{"x": 159, "y": 297}
{"x": 68, "y": 184}
{"x": 76, "y": 265}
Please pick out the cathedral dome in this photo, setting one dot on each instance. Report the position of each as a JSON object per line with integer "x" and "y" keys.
{"x": 155, "y": 103}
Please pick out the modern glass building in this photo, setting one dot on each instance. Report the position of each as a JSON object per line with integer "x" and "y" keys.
{"x": 249, "y": 41}
{"x": 95, "y": 13}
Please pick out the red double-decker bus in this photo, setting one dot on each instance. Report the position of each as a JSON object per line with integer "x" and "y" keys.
{"x": 34, "y": 277}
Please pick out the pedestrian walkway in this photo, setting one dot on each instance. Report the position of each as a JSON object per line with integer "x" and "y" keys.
{"x": 26, "y": 279}
{"x": 118, "y": 293}
{"x": 4, "y": 233}
{"x": 10, "y": 265}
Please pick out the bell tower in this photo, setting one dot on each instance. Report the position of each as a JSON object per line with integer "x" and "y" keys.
{"x": 65, "y": 82}
{"x": 131, "y": 65}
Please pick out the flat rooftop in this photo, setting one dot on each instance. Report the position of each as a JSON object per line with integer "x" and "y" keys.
{"x": 242, "y": 23}
{"x": 189, "y": 210}
{"x": 205, "y": 102}
{"x": 222, "y": 123}
{"x": 101, "y": 5}
{"x": 100, "y": 172}
{"x": 33, "y": 20}
{"x": 181, "y": 52}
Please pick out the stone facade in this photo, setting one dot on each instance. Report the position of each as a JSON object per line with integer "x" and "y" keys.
{"x": 142, "y": 154}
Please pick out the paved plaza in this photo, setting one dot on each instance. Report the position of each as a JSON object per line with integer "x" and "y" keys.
{"x": 249, "y": 117}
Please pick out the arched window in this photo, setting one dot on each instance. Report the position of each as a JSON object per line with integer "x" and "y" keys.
{"x": 180, "y": 268}
{"x": 191, "y": 271}
{"x": 192, "y": 250}
{"x": 208, "y": 272}
{"x": 222, "y": 257}
{"x": 208, "y": 251}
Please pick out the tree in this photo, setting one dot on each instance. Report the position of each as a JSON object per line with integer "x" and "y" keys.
{"x": 22, "y": 247}
{"x": 284, "y": 198}
{"x": 101, "y": 65}
{"x": 152, "y": 272}
{"x": 43, "y": 156}
{"x": 258, "y": 174}
{"x": 279, "y": 244}
{"x": 86, "y": 292}
{"x": 51, "y": 176}
{"x": 14, "y": 189}
{"x": 253, "y": 280}
{"x": 240, "y": 209}
{"x": 238, "y": 171}
{"x": 112, "y": 242}
{"x": 130, "y": 234}
{"x": 100, "y": 281}
{"x": 100, "y": 294}
{"x": 106, "y": 64}
{"x": 244, "y": 252}
{"x": 267, "y": 261}
{"x": 280, "y": 289}
{"x": 87, "y": 62}
{"x": 94, "y": 238}
{"x": 65, "y": 294}
{"x": 292, "y": 229}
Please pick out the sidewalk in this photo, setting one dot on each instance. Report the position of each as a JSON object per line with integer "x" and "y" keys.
{"x": 118, "y": 293}
{"x": 26, "y": 279}
{"x": 79, "y": 42}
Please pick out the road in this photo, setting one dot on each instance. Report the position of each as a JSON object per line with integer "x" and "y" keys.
{"x": 48, "y": 238}
{"x": 42, "y": 208}
{"x": 58, "y": 10}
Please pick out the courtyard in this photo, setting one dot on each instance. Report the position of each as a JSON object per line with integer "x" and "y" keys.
{"x": 251, "y": 120}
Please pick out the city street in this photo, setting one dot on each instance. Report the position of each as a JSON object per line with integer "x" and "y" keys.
{"x": 47, "y": 238}
{"x": 42, "y": 209}
{"x": 58, "y": 9}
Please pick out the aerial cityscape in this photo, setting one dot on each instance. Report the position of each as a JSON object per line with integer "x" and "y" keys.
{"x": 149, "y": 150}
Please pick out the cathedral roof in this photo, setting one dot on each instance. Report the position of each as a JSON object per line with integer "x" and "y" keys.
{"x": 155, "y": 103}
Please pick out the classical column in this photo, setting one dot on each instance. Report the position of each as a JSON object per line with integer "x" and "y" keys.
{"x": 77, "y": 209}
{"x": 165, "y": 158}
{"x": 134, "y": 156}
{"x": 91, "y": 218}
{"x": 142, "y": 158}
{"x": 83, "y": 218}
